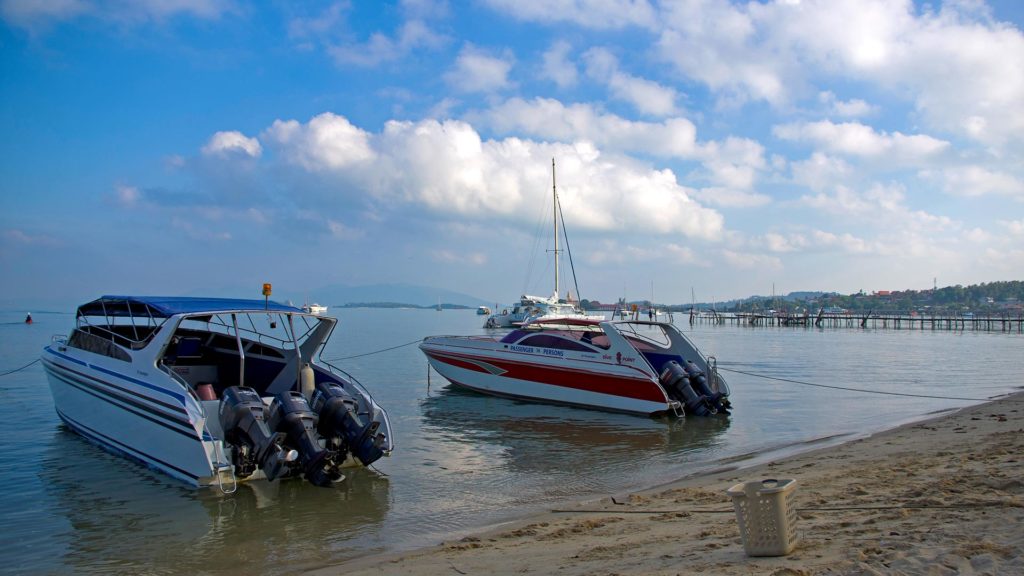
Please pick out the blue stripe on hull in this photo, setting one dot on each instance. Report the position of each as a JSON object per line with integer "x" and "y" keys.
{"x": 173, "y": 394}
{"x": 121, "y": 449}
{"x": 129, "y": 423}
{"x": 141, "y": 406}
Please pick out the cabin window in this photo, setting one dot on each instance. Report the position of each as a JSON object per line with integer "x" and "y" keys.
{"x": 513, "y": 336}
{"x": 97, "y": 345}
{"x": 552, "y": 341}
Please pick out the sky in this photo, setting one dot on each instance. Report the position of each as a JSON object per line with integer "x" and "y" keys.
{"x": 705, "y": 149}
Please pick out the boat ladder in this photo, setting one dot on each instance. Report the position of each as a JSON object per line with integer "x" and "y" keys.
{"x": 221, "y": 465}
{"x": 713, "y": 373}
{"x": 677, "y": 409}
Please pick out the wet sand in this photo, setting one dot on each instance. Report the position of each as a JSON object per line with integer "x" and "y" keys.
{"x": 942, "y": 496}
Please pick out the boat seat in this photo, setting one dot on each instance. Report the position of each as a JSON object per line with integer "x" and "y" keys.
{"x": 189, "y": 348}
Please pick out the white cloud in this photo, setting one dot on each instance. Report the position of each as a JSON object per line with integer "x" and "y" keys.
{"x": 730, "y": 198}
{"x": 973, "y": 181}
{"x": 733, "y": 164}
{"x": 200, "y": 231}
{"x": 411, "y": 36}
{"x": 776, "y": 242}
{"x": 596, "y": 14}
{"x": 31, "y": 14}
{"x": 846, "y": 242}
{"x": 1014, "y": 227}
{"x": 451, "y": 257}
{"x": 717, "y": 44}
{"x": 820, "y": 171}
{"x": 612, "y": 252}
{"x": 449, "y": 169}
{"x": 341, "y": 231}
{"x": 884, "y": 207}
{"x": 303, "y": 28}
{"x": 960, "y": 69}
{"x": 751, "y": 261}
{"x": 853, "y": 108}
{"x": 127, "y": 196}
{"x": 477, "y": 71}
{"x": 646, "y": 96}
{"x": 856, "y": 139}
{"x": 232, "y": 142}
{"x": 557, "y": 67}
{"x": 16, "y": 236}
{"x": 327, "y": 142}
{"x": 550, "y": 119}
{"x": 37, "y": 15}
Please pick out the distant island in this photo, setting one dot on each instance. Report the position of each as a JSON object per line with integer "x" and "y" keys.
{"x": 994, "y": 298}
{"x": 443, "y": 305}
{"x": 985, "y": 298}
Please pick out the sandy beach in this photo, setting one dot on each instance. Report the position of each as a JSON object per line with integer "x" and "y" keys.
{"x": 942, "y": 496}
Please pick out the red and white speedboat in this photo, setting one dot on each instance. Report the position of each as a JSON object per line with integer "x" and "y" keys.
{"x": 635, "y": 367}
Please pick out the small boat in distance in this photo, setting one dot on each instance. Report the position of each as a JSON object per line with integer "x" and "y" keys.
{"x": 212, "y": 391}
{"x": 637, "y": 367}
{"x": 28, "y": 319}
{"x": 483, "y": 310}
{"x": 314, "y": 309}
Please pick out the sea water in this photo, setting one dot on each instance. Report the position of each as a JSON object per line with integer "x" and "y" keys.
{"x": 462, "y": 461}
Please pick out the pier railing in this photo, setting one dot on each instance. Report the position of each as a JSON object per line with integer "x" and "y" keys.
{"x": 895, "y": 321}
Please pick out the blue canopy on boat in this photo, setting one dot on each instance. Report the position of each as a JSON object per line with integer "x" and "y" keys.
{"x": 166, "y": 306}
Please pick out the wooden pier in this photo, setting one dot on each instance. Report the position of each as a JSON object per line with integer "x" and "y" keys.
{"x": 894, "y": 321}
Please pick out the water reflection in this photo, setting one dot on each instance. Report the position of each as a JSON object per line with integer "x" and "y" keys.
{"x": 533, "y": 438}
{"x": 125, "y": 518}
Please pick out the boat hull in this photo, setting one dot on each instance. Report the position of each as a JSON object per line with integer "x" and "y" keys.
{"x": 586, "y": 384}
{"x": 129, "y": 417}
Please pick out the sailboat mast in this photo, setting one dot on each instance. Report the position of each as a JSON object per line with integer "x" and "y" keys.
{"x": 554, "y": 197}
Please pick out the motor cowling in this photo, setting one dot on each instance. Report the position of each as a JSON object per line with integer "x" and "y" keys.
{"x": 675, "y": 379}
{"x": 291, "y": 415}
{"x": 699, "y": 381}
{"x": 243, "y": 418}
{"x": 342, "y": 426}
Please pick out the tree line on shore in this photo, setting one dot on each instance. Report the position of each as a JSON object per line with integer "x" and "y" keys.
{"x": 985, "y": 298}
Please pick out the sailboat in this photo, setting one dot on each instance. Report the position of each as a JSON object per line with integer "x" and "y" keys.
{"x": 534, "y": 308}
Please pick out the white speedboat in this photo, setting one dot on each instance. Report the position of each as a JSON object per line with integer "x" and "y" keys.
{"x": 636, "y": 367}
{"x": 213, "y": 390}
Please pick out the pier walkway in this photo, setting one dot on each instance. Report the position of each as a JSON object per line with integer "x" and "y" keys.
{"x": 896, "y": 321}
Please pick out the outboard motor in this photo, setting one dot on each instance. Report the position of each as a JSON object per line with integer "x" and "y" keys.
{"x": 290, "y": 414}
{"x": 243, "y": 417}
{"x": 675, "y": 379}
{"x": 699, "y": 382}
{"x": 341, "y": 425}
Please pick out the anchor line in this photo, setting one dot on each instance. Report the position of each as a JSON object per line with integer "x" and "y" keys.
{"x": 377, "y": 351}
{"x": 9, "y": 372}
{"x": 849, "y": 389}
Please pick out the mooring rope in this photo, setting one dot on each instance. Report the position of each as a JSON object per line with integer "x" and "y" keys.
{"x": 377, "y": 351}
{"x": 9, "y": 372}
{"x": 849, "y": 389}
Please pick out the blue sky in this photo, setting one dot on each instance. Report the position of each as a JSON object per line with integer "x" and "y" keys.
{"x": 207, "y": 146}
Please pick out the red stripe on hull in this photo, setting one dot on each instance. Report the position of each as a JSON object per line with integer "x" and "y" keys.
{"x": 639, "y": 389}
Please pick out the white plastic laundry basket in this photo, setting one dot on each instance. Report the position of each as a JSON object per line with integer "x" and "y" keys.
{"x": 766, "y": 514}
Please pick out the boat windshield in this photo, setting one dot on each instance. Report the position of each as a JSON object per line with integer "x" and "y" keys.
{"x": 561, "y": 339}
{"x": 644, "y": 335}
{"x": 268, "y": 328}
